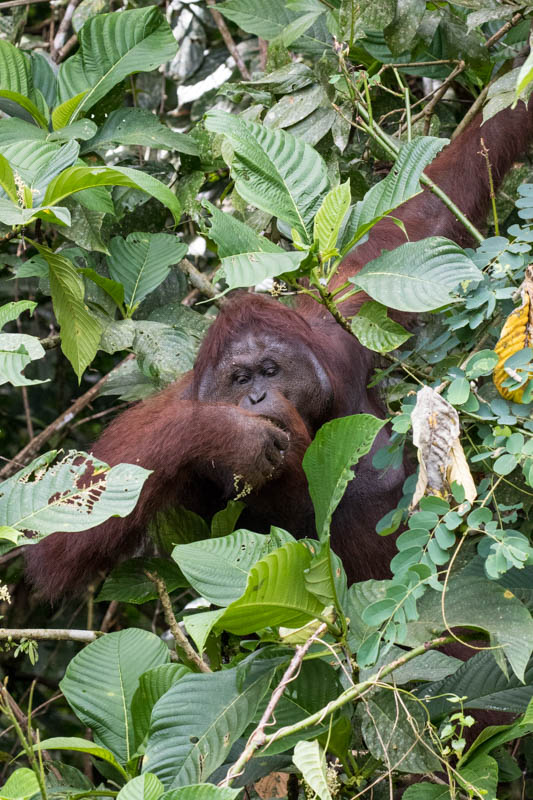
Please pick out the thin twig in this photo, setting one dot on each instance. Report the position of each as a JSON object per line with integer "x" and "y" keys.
{"x": 67, "y": 47}
{"x": 228, "y": 40}
{"x": 504, "y": 29}
{"x": 484, "y": 152}
{"x": 14, "y": 3}
{"x": 179, "y": 637}
{"x": 427, "y": 111}
{"x": 64, "y": 27}
{"x": 472, "y": 111}
{"x": 258, "y": 736}
{"x": 33, "y": 447}
{"x": 50, "y": 634}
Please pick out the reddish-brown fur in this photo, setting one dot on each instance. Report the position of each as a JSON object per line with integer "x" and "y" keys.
{"x": 194, "y": 447}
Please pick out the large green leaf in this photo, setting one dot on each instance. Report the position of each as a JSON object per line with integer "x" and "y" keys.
{"x": 417, "y": 276}
{"x": 37, "y": 162}
{"x": 401, "y": 183}
{"x": 53, "y": 494}
{"x": 233, "y": 237}
{"x": 113, "y": 46}
{"x": 201, "y": 791}
{"x": 80, "y": 331}
{"x": 276, "y": 594}
{"x": 329, "y": 459}
{"x": 316, "y": 685}
{"x": 393, "y": 728}
{"x": 480, "y": 604}
{"x": 274, "y": 170}
{"x": 75, "y": 179}
{"x": 483, "y": 685}
{"x": 248, "y": 269}
{"x": 141, "y": 127}
{"x": 101, "y": 680}
{"x": 195, "y": 723}
{"x": 153, "y": 684}
{"x": 12, "y": 214}
{"x": 142, "y": 261}
{"x": 218, "y": 568}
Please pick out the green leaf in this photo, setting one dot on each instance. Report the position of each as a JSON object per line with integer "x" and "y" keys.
{"x": 80, "y": 331}
{"x": 7, "y": 179}
{"x": 85, "y": 229}
{"x": 101, "y": 680}
{"x": 427, "y": 791}
{"x": 75, "y": 179}
{"x": 248, "y": 269}
{"x": 458, "y": 391}
{"x": 10, "y": 311}
{"x": 79, "y": 745}
{"x": 195, "y": 723}
{"x": 65, "y": 113}
{"x": 128, "y": 582}
{"x": 83, "y": 129}
{"x": 524, "y": 78}
{"x": 310, "y": 759}
{"x": 224, "y": 521}
{"x": 483, "y": 685}
{"x": 113, "y": 46}
{"x": 21, "y": 785}
{"x": 14, "y": 99}
{"x": 505, "y": 464}
{"x": 394, "y": 731}
{"x": 153, "y": 684}
{"x": 143, "y": 787}
{"x": 316, "y": 685}
{"x": 481, "y": 363}
{"x": 53, "y": 494}
{"x": 329, "y": 218}
{"x": 480, "y": 604}
{"x": 17, "y": 85}
{"x": 417, "y": 276}
{"x": 276, "y": 594}
{"x": 17, "y": 350}
{"x": 274, "y": 170}
{"x": 11, "y": 214}
{"x": 234, "y": 237}
{"x": 136, "y": 126}
{"x": 401, "y": 183}
{"x": 376, "y": 331}
{"x": 142, "y": 261}
{"x": 329, "y": 459}
{"x": 481, "y": 774}
{"x": 202, "y": 791}
{"x": 218, "y": 568}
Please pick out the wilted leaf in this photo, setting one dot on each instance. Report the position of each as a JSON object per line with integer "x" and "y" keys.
{"x": 441, "y": 457}
{"x": 516, "y": 334}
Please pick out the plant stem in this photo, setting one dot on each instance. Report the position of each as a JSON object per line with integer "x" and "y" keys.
{"x": 51, "y": 634}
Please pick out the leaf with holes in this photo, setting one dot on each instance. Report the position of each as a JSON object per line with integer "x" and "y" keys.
{"x": 195, "y": 723}
{"x": 71, "y": 493}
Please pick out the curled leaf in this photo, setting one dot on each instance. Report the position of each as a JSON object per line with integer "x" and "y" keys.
{"x": 516, "y": 335}
{"x": 436, "y": 435}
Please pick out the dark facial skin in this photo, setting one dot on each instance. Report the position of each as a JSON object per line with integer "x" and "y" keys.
{"x": 256, "y": 369}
